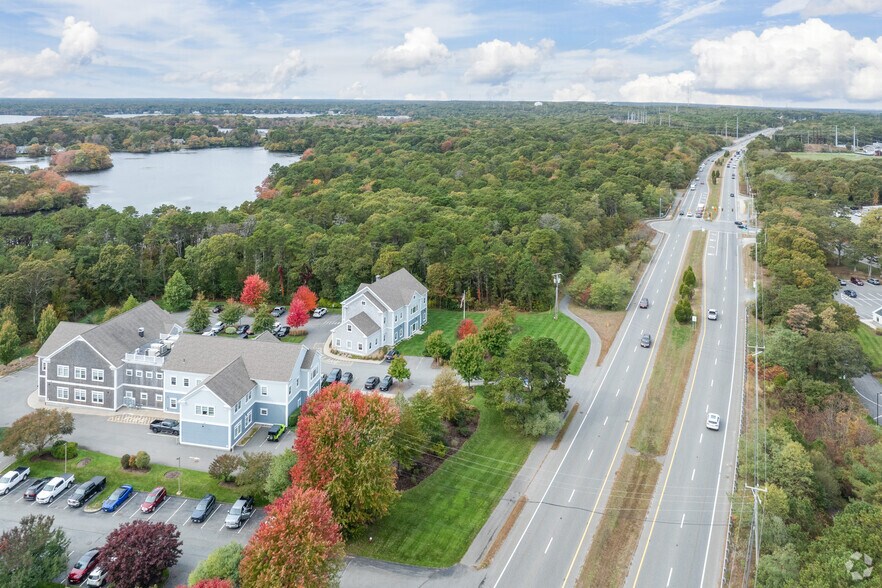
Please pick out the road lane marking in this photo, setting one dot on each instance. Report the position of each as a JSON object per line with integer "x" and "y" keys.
{"x": 715, "y": 361}
{"x": 693, "y": 475}
{"x": 549, "y": 544}
{"x": 629, "y": 365}
{"x": 683, "y": 518}
{"x": 571, "y": 495}
{"x": 701, "y": 438}
{"x": 669, "y": 577}
{"x": 604, "y": 420}
{"x": 590, "y": 454}
{"x": 712, "y": 383}
{"x": 617, "y": 392}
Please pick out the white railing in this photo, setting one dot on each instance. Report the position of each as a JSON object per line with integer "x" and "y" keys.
{"x": 144, "y": 359}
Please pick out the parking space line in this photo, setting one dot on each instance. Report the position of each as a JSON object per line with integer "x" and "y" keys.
{"x": 217, "y": 508}
{"x": 176, "y": 512}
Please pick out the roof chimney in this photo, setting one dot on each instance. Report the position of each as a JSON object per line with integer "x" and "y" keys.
{"x": 140, "y": 331}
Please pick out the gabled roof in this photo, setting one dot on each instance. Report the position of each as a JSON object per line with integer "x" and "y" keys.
{"x": 64, "y": 332}
{"x": 266, "y": 336}
{"x": 308, "y": 358}
{"x": 365, "y": 324}
{"x": 231, "y": 383}
{"x": 118, "y": 336}
{"x": 396, "y": 289}
{"x": 264, "y": 360}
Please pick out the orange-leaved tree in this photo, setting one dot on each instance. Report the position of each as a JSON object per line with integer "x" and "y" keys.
{"x": 466, "y": 327}
{"x": 309, "y": 298}
{"x": 254, "y": 291}
{"x": 297, "y": 315}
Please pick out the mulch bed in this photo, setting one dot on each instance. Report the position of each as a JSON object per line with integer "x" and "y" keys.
{"x": 425, "y": 466}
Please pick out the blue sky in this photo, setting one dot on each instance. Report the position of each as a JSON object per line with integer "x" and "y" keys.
{"x": 821, "y": 53}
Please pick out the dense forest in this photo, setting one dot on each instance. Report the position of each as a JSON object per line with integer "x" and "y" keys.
{"x": 41, "y": 190}
{"x": 818, "y": 455}
{"x": 491, "y": 207}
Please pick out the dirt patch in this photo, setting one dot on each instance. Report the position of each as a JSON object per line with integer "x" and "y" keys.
{"x": 427, "y": 463}
{"x": 605, "y": 322}
{"x": 172, "y": 475}
{"x": 17, "y": 364}
{"x": 503, "y": 532}
{"x": 84, "y": 462}
{"x": 566, "y": 425}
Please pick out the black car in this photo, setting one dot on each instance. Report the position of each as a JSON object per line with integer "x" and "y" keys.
{"x": 371, "y": 383}
{"x": 86, "y": 491}
{"x": 278, "y": 311}
{"x": 34, "y": 488}
{"x": 850, "y": 293}
{"x": 386, "y": 383}
{"x": 644, "y": 303}
{"x": 346, "y": 378}
{"x": 391, "y": 354}
{"x": 334, "y": 375}
{"x": 217, "y": 308}
{"x": 241, "y": 329}
{"x": 646, "y": 340}
{"x": 204, "y": 509}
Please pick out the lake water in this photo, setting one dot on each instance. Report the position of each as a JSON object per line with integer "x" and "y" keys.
{"x": 8, "y": 119}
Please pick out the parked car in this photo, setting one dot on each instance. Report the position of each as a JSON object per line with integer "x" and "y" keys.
{"x": 169, "y": 426}
{"x": 278, "y": 311}
{"x": 13, "y": 478}
{"x": 346, "y": 378}
{"x": 217, "y": 308}
{"x": 211, "y": 333}
{"x": 711, "y": 314}
{"x": 156, "y": 497}
{"x": 644, "y": 303}
{"x": 646, "y": 340}
{"x": 319, "y": 312}
{"x": 242, "y": 329}
{"x": 857, "y": 281}
{"x": 86, "y": 491}
{"x": 243, "y": 335}
{"x": 850, "y": 293}
{"x": 55, "y": 488}
{"x": 334, "y": 375}
{"x": 117, "y": 498}
{"x": 874, "y": 281}
{"x": 391, "y": 354}
{"x": 842, "y": 282}
{"x": 219, "y": 326}
{"x": 282, "y": 331}
{"x": 386, "y": 383}
{"x": 83, "y": 567}
{"x": 739, "y": 224}
{"x": 371, "y": 383}
{"x": 713, "y": 421}
{"x": 275, "y": 432}
{"x": 36, "y": 485}
{"x": 204, "y": 509}
{"x": 682, "y": 213}
{"x": 240, "y": 512}
{"x": 98, "y": 577}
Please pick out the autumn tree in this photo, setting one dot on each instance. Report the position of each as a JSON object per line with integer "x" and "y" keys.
{"x": 200, "y": 315}
{"x": 409, "y": 440}
{"x": 495, "y": 333}
{"x": 48, "y": 322}
{"x": 298, "y": 544}
{"x": 468, "y": 358}
{"x": 224, "y": 466}
{"x": 297, "y": 315}
{"x": 252, "y": 474}
{"x": 32, "y": 553}
{"x": 211, "y": 583}
{"x": 466, "y": 327}
{"x": 137, "y": 553}
{"x": 254, "y": 291}
{"x": 344, "y": 448}
{"x": 398, "y": 368}
{"x": 448, "y": 393}
{"x": 36, "y": 430}
{"x": 309, "y": 298}
{"x": 437, "y": 346}
{"x": 177, "y": 293}
{"x": 222, "y": 564}
{"x": 9, "y": 341}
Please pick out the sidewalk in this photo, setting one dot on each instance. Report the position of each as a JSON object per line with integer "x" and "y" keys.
{"x": 123, "y": 415}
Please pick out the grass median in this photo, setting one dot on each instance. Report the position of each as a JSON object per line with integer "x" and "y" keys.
{"x": 871, "y": 343}
{"x": 87, "y": 464}
{"x": 618, "y": 532}
{"x": 433, "y": 524}
{"x": 572, "y": 339}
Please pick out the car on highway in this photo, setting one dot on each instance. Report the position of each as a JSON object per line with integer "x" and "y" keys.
{"x": 371, "y": 383}
{"x": 386, "y": 383}
{"x": 319, "y": 312}
{"x": 36, "y": 485}
{"x": 347, "y": 377}
{"x": 850, "y": 293}
{"x": 713, "y": 421}
{"x": 83, "y": 567}
{"x": 13, "y": 478}
{"x": 54, "y": 488}
{"x": 644, "y": 303}
{"x": 874, "y": 281}
{"x": 204, "y": 508}
{"x": 857, "y": 281}
{"x": 275, "y": 432}
{"x": 646, "y": 340}
{"x": 156, "y": 497}
{"x": 278, "y": 311}
{"x": 712, "y": 314}
{"x": 240, "y": 512}
{"x": 117, "y": 498}
{"x": 86, "y": 491}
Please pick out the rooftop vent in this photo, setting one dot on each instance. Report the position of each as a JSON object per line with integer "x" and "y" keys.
{"x": 140, "y": 331}
{"x": 377, "y": 278}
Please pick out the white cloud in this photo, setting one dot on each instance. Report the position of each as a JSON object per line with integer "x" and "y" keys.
{"x": 574, "y": 93}
{"x": 809, "y": 8}
{"x": 355, "y": 91}
{"x": 496, "y": 62}
{"x": 674, "y": 87}
{"x": 254, "y": 84}
{"x": 421, "y": 51}
{"x": 622, "y": 2}
{"x": 292, "y": 66}
{"x": 79, "y": 42}
{"x": 440, "y": 95}
{"x": 673, "y": 21}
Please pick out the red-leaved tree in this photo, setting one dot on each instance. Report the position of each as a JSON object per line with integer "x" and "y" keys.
{"x": 466, "y": 327}
{"x": 298, "y": 544}
{"x": 310, "y": 300}
{"x": 210, "y": 583}
{"x": 137, "y": 553}
{"x": 344, "y": 445}
{"x": 297, "y": 314}
{"x": 254, "y": 291}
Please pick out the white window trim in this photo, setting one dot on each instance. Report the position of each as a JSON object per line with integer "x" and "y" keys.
{"x": 145, "y": 396}
{"x": 148, "y": 375}
{"x": 237, "y": 430}
{"x": 95, "y": 395}
{"x": 130, "y": 394}
{"x": 173, "y": 403}
{"x": 62, "y": 371}
{"x": 129, "y": 373}
{"x": 97, "y": 375}
{"x": 77, "y": 394}
{"x": 43, "y": 365}
{"x": 158, "y": 398}
{"x": 186, "y": 382}
{"x": 62, "y": 390}
{"x": 174, "y": 381}
{"x": 264, "y": 412}
{"x": 204, "y": 410}
{"x": 79, "y": 370}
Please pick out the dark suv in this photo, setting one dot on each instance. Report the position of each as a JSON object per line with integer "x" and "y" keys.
{"x": 386, "y": 383}
{"x": 857, "y": 281}
{"x": 334, "y": 375}
{"x": 204, "y": 509}
{"x": 371, "y": 383}
{"x": 86, "y": 491}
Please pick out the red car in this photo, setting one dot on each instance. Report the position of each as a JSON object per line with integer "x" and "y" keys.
{"x": 83, "y": 567}
{"x": 154, "y": 499}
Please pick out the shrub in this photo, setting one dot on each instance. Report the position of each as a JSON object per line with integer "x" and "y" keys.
{"x": 58, "y": 449}
{"x": 223, "y": 466}
{"x": 683, "y": 311}
{"x": 124, "y": 461}
{"x": 142, "y": 460}
{"x": 132, "y": 465}
{"x": 293, "y": 418}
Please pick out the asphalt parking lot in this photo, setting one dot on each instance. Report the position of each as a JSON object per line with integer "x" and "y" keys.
{"x": 869, "y": 298}
{"x": 89, "y": 529}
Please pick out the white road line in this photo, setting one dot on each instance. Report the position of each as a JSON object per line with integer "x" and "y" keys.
{"x": 701, "y": 438}
{"x": 604, "y": 420}
{"x": 715, "y": 361}
{"x": 693, "y": 474}
{"x": 712, "y": 382}
{"x": 590, "y": 454}
{"x": 718, "y": 342}
{"x": 627, "y": 367}
{"x": 176, "y": 512}
{"x": 706, "y": 408}
{"x": 617, "y": 392}
{"x": 571, "y": 495}
{"x": 669, "y": 577}
{"x": 549, "y": 544}
{"x": 683, "y": 518}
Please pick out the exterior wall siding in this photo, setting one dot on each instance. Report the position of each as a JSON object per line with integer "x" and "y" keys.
{"x": 79, "y": 354}
{"x": 208, "y": 435}
{"x": 276, "y": 413}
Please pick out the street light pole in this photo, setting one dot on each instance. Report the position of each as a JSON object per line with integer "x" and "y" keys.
{"x": 877, "y": 408}
{"x": 556, "y": 278}
{"x": 180, "y": 473}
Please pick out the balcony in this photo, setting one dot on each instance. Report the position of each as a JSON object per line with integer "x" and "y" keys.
{"x": 140, "y": 358}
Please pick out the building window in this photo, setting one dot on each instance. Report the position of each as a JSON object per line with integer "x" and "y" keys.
{"x": 63, "y": 371}
{"x": 237, "y": 430}
{"x": 349, "y": 345}
{"x": 144, "y": 396}
{"x": 263, "y": 391}
{"x": 186, "y": 382}
{"x": 264, "y": 412}
{"x": 97, "y": 375}
{"x": 149, "y": 375}
{"x": 129, "y": 373}
{"x": 62, "y": 393}
{"x": 314, "y": 372}
{"x": 43, "y": 365}
{"x": 349, "y": 328}
{"x": 173, "y": 403}
{"x": 249, "y": 396}
{"x": 79, "y": 395}
{"x": 370, "y": 345}
{"x": 362, "y": 302}
{"x": 290, "y": 389}
{"x": 130, "y": 395}
{"x": 248, "y": 418}
{"x": 198, "y": 382}
{"x": 204, "y": 410}
{"x": 97, "y": 397}
{"x": 337, "y": 343}
{"x": 139, "y": 374}
{"x": 360, "y": 346}
{"x": 174, "y": 381}
{"x": 79, "y": 373}
{"x": 158, "y": 399}
{"x": 238, "y": 406}
{"x": 158, "y": 375}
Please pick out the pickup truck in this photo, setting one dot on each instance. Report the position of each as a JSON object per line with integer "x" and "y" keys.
{"x": 55, "y": 488}
{"x": 13, "y": 478}
{"x": 240, "y": 512}
{"x": 170, "y": 426}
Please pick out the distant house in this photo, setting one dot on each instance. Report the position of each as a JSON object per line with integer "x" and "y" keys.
{"x": 877, "y": 316}
{"x": 219, "y": 387}
{"x": 381, "y": 314}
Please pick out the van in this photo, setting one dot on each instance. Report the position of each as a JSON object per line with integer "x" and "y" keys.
{"x": 86, "y": 491}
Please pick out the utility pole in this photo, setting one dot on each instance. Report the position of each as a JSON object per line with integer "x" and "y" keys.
{"x": 727, "y": 129}
{"x": 756, "y": 502}
{"x": 556, "y": 278}
{"x": 736, "y": 127}
{"x": 179, "y": 476}
{"x": 659, "y": 206}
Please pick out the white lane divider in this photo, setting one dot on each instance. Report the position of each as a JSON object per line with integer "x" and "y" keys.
{"x": 571, "y": 495}
{"x": 549, "y": 544}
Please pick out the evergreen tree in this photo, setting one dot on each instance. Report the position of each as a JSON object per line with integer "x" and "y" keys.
{"x": 9, "y": 342}
{"x": 130, "y": 303}
{"x": 177, "y": 293}
{"x": 48, "y": 322}
{"x": 200, "y": 315}
{"x": 683, "y": 311}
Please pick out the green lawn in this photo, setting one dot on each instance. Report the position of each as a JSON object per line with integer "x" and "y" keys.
{"x": 872, "y": 346}
{"x": 573, "y": 340}
{"x": 193, "y": 484}
{"x": 817, "y": 156}
{"x": 434, "y": 523}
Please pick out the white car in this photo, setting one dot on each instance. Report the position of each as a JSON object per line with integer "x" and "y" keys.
{"x": 711, "y": 314}
{"x": 97, "y": 578}
{"x": 55, "y": 488}
{"x": 13, "y": 478}
{"x": 713, "y": 421}
{"x": 319, "y": 312}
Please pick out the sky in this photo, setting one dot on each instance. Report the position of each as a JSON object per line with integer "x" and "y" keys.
{"x": 790, "y": 53}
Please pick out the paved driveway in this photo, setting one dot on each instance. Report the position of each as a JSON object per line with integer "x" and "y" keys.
{"x": 869, "y": 298}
